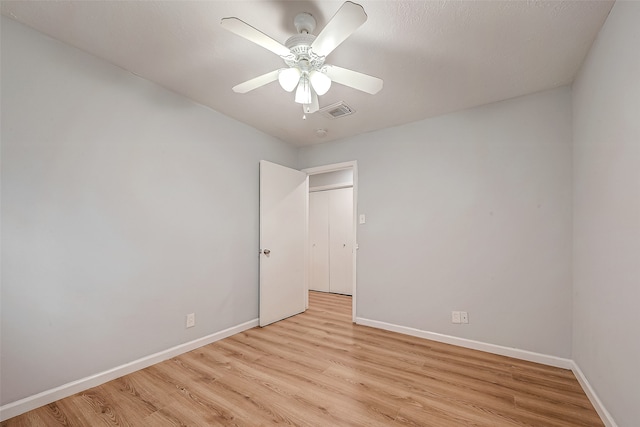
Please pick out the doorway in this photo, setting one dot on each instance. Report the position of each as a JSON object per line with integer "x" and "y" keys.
{"x": 341, "y": 179}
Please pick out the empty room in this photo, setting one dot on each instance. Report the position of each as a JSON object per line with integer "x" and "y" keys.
{"x": 320, "y": 213}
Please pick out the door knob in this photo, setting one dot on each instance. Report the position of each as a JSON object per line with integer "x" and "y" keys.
{"x": 266, "y": 251}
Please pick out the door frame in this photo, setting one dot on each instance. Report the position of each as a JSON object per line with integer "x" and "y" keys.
{"x": 353, "y": 165}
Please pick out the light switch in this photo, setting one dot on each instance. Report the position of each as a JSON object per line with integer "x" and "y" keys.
{"x": 362, "y": 219}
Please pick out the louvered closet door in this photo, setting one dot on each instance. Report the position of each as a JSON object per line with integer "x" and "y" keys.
{"x": 319, "y": 241}
{"x": 340, "y": 240}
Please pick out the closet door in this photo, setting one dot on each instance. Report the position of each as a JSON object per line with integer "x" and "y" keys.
{"x": 319, "y": 241}
{"x": 340, "y": 240}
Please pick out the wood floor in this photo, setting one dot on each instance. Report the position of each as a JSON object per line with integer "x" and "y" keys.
{"x": 318, "y": 369}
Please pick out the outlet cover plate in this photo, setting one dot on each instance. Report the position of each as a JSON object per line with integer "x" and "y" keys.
{"x": 455, "y": 317}
{"x": 191, "y": 320}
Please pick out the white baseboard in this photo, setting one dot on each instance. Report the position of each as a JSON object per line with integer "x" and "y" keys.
{"x": 531, "y": 356}
{"x": 605, "y": 416}
{"x": 21, "y": 406}
{"x": 16, "y": 408}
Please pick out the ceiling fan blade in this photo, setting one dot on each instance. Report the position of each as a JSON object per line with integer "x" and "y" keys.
{"x": 346, "y": 20}
{"x": 314, "y": 106}
{"x": 245, "y": 30}
{"x": 354, "y": 79}
{"x": 256, "y": 82}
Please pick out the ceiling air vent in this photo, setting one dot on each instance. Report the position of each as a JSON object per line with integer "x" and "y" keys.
{"x": 339, "y": 109}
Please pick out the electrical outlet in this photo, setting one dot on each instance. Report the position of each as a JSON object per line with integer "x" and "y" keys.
{"x": 464, "y": 317}
{"x": 191, "y": 320}
{"x": 455, "y": 317}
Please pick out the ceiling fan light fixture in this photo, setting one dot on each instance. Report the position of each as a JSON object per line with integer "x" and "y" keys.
{"x": 320, "y": 82}
{"x": 289, "y": 78}
{"x": 303, "y": 93}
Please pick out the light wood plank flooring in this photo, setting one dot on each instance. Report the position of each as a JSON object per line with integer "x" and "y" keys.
{"x": 318, "y": 369}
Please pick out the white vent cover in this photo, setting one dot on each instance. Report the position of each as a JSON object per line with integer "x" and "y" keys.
{"x": 339, "y": 109}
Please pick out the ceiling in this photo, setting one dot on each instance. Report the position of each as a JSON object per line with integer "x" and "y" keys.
{"x": 435, "y": 57}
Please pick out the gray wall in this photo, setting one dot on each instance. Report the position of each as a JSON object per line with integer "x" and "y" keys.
{"x": 469, "y": 211}
{"x": 606, "y": 129}
{"x": 124, "y": 207}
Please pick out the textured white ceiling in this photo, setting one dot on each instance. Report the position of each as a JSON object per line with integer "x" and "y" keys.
{"x": 435, "y": 57}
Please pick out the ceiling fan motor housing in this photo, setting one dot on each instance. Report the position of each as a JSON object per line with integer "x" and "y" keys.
{"x": 300, "y": 47}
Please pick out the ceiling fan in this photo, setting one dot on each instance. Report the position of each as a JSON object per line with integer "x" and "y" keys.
{"x": 305, "y": 54}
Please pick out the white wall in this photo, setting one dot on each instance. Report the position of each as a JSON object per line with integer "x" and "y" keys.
{"x": 124, "y": 207}
{"x": 606, "y": 129}
{"x": 469, "y": 211}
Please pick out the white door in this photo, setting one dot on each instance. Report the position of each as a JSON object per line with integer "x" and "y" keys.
{"x": 319, "y": 241}
{"x": 341, "y": 241}
{"x": 283, "y": 242}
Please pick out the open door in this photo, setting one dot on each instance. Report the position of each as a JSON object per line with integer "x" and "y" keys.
{"x": 283, "y": 242}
